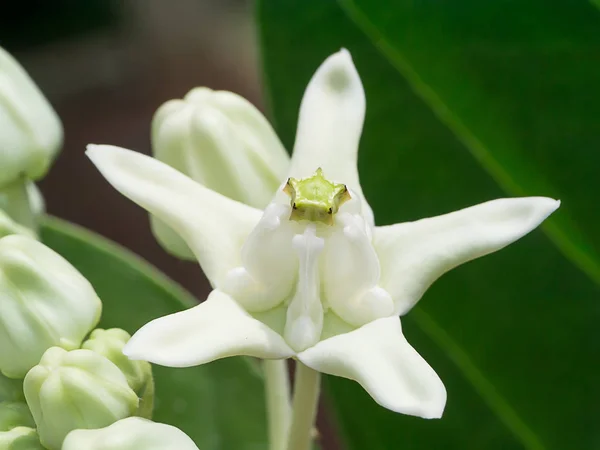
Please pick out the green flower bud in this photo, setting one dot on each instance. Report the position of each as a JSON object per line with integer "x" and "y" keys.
{"x": 31, "y": 131}
{"x": 15, "y": 414}
{"x": 76, "y": 389}
{"x": 45, "y": 302}
{"x": 20, "y": 438}
{"x": 110, "y": 343}
{"x": 222, "y": 141}
{"x": 133, "y": 433}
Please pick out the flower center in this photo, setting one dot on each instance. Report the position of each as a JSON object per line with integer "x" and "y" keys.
{"x": 311, "y": 255}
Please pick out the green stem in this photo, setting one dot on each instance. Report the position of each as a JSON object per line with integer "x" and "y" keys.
{"x": 15, "y": 201}
{"x": 277, "y": 386}
{"x": 304, "y": 411}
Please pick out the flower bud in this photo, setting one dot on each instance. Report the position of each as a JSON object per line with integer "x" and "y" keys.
{"x": 45, "y": 302}
{"x": 14, "y": 414}
{"x": 20, "y": 438}
{"x": 31, "y": 131}
{"x": 222, "y": 141}
{"x": 110, "y": 343}
{"x": 76, "y": 389}
{"x": 133, "y": 433}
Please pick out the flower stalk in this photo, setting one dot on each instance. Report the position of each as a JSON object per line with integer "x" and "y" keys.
{"x": 307, "y": 387}
{"x": 277, "y": 385}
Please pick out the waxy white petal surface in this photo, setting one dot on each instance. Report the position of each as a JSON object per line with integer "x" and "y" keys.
{"x": 215, "y": 329}
{"x": 378, "y": 357}
{"x": 415, "y": 254}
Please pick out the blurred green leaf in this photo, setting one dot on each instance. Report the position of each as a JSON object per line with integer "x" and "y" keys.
{"x": 468, "y": 101}
{"x": 219, "y": 405}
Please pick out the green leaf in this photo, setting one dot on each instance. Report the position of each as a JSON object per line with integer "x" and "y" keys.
{"x": 219, "y": 405}
{"x": 469, "y": 101}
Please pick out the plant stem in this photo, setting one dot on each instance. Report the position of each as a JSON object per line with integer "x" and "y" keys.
{"x": 277, "y": 385}
{"x": 15, "y": 201}
{"x": 304, "y": 411}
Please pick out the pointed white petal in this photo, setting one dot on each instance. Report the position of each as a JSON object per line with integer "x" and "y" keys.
{"x": 330, "y": 124}
{"x": 414, "y": 254}
{"x": 215, "y": 329}
{"x": 379, "y": 358}
{"x": 213, "y": 226}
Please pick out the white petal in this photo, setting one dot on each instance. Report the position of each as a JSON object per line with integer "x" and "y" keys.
{"x": 213, "y": 226}
{"x": 215, "y": 329}
{"x": 414, "y": 254}
{"x": 378, "y": 357}
{"x": 330, "y": 124}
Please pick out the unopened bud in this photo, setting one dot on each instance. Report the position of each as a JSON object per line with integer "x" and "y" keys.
{"x": 45, "y": 302}
{"x": 110, "y": 343}
{"x": 133, "y": 433}
{"x": 222, "y": 141}
{"x": 31, "y": 131}
{"x": 76, "y": 389}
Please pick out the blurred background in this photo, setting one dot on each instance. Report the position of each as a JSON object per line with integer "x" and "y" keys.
{"x": 106, "y": 66}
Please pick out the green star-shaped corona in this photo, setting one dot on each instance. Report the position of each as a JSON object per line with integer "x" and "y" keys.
{"x": 315, "y": 198}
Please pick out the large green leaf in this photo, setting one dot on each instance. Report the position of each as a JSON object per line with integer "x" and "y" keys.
{"x": 219, "y": 405}
{"x": 469, "y": 101}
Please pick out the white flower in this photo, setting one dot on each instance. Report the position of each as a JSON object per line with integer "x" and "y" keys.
{"x": 327, "y": 292}
{"x": 132, "y": 433}
{"x": 222, "y": 141}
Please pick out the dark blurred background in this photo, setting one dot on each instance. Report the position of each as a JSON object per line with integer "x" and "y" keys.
{"x": 106, "y": 66}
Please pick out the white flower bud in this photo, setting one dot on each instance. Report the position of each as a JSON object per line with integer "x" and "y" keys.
{"x": 15, "y": 414}
{"x": 31, "y": 131}
{"x": 222, "y": 141}
{"x": 133, "y": 433}
{"x": 45, "y": 302}
{"x": 20, "y": 438}
{"x": 110, "y": 343}
{"x": 76, "y": 389}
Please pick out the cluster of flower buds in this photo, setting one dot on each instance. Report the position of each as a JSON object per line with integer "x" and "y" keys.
{"x": 53, "y": 380}
{"x": 55, "y": 383}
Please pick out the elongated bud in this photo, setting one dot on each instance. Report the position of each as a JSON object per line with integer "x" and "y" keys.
{"x": 31, "y": 131}
{"x": 76, "y": 389}
{"x": 45, "y": 302}
{"x": 133, "y": 433}
{"x": 110, "y": 343}
{"x": 222, "y": 141}
{"x": 20, "y": 438}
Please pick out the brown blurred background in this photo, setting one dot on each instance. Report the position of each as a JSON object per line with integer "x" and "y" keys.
{"x": 106, "y": 66}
